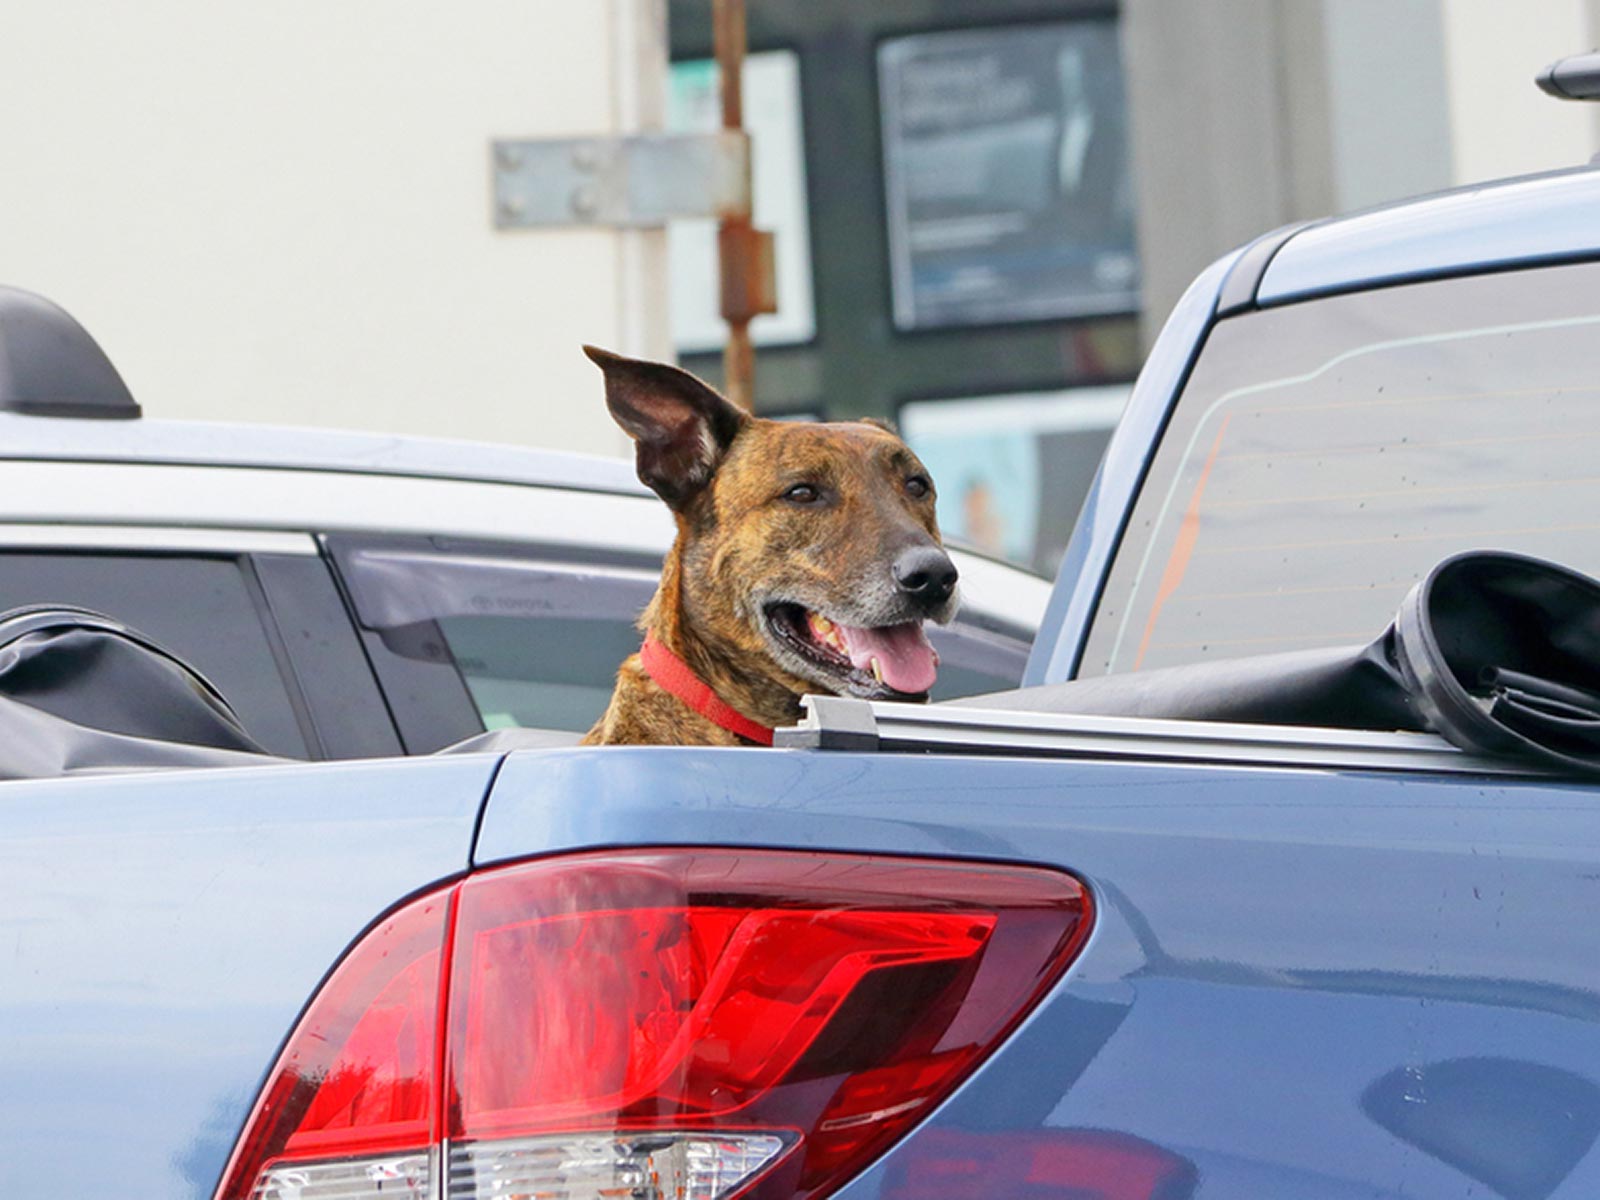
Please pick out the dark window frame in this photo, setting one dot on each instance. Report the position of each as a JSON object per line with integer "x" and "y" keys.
{"x": 337, "y": 684}
{"x": 858, "y": 363}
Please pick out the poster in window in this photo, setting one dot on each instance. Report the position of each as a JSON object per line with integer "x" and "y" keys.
{"x": 1007, "y": 178}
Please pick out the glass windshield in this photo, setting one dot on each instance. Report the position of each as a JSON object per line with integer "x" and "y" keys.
{"x": 1325, "y": 455}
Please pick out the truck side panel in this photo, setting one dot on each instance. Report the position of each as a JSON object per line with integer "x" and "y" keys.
{"x": 1308, "y": 982}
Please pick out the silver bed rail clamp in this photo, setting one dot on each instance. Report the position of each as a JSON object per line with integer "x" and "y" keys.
{"x": 831, "y": 723}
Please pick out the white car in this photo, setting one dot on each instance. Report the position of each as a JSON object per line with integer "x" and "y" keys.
{"x": 356, "y": 595}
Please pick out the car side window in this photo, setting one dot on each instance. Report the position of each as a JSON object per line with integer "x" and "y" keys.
{"x": 551, "y": 674}
{"x": 207, "y": 610}
{"x": 974, "y": 660}
{"x": 535, "y": 638}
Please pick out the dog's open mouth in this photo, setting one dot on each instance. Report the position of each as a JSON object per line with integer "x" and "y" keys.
{"x": 889, "y": 661}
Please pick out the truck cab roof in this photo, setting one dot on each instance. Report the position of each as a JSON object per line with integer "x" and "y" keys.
{"x": 1547, "y": 218}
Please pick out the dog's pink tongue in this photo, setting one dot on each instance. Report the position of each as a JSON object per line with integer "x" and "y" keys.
{"x": 905, "y": 658}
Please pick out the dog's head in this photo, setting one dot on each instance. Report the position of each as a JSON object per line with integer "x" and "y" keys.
{"x": 811, "y": 547}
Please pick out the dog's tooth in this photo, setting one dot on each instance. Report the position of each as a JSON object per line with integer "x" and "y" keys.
{"x": 877, "y": 669}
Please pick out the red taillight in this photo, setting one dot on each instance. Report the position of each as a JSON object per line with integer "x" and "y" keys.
{"x": 356, "y": 1079}
{"x": 676, "y": 1023}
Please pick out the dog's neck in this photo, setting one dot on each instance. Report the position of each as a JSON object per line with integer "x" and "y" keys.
{"x": 730, "y": 675}
{"x": 643, "y": 712}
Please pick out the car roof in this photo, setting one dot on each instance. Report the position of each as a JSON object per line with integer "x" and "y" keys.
{"x": 1525, "y": 221}
{"x": 266, "y": 453}
{"x": 195, "y": 443}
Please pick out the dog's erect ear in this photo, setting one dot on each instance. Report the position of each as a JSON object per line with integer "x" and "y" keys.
{"x": 682, "y": 427}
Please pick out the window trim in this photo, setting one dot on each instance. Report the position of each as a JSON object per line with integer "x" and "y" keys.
{"x": 372, "y": 733}
{"x": 160, "y": 538}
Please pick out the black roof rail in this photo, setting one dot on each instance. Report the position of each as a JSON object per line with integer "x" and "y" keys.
{"x": 1576, "y": 77}
{"x": 51, "y": 367}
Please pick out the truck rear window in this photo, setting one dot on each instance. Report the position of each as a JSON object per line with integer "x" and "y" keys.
{"x": 1326, "y": 454}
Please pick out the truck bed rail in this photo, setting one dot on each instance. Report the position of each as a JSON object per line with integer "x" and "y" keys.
{"x": 842, "y": 723}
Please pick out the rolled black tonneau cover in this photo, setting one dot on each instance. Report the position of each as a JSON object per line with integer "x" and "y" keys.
{"x": 1498, "y": 653}
{"x": 82, "y": 691}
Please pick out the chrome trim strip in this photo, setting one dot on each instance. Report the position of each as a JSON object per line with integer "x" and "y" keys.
{"x": 153, "y": 537}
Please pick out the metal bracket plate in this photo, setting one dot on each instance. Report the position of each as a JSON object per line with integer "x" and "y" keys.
{"x": 831, "y": 723}
{"x": 638, "y": 182}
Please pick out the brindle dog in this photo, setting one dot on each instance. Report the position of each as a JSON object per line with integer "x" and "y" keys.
{"x": 807, "y": 559}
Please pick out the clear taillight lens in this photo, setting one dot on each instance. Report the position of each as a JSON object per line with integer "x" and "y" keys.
{"x": 393, "y": 1177}
{"x": 684, "y": 1024}
{"x": 682, "y": 1164}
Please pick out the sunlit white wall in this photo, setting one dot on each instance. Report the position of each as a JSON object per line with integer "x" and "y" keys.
{"x": 1428, "y": 93}
{"x": 1250, "y": 114}
{"x": 1500, "y": 123}
{"x": 280, "y": 211}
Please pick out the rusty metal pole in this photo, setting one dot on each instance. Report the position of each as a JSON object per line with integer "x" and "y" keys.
{"x": 737, "y": 241}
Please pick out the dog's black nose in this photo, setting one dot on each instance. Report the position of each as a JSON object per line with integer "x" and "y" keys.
{"x": 926, "y": 574}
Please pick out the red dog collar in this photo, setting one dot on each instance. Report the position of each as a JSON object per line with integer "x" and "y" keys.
{"x": 673, "y": 674}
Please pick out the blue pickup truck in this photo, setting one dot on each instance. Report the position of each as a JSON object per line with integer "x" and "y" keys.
{"x": 981, "y": 948}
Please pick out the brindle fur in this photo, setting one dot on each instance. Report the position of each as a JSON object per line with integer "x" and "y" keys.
{"x": 725, "y": 475}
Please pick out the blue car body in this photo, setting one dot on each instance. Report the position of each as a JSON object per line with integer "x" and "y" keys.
{"x": 1274, "y": 980}
{"x": 1324, "y": 981}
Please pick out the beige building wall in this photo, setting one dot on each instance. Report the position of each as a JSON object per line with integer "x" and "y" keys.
{"x": 1250, "y": 114}
{"x": 1228, "y": 102}
{"x": 280, "y": 212}
{"x": 1501, "y": 124}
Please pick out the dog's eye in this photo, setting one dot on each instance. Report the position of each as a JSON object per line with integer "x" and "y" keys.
{"x": 917, "y": 487}
{"x": 803, "y": 493}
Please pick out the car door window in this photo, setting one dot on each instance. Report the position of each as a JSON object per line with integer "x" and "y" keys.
{"x": 539, "y": 674}
{"x": 535, "y": 639}
{"x": 207, "y": 610}
{"x": 974, "y": 659}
